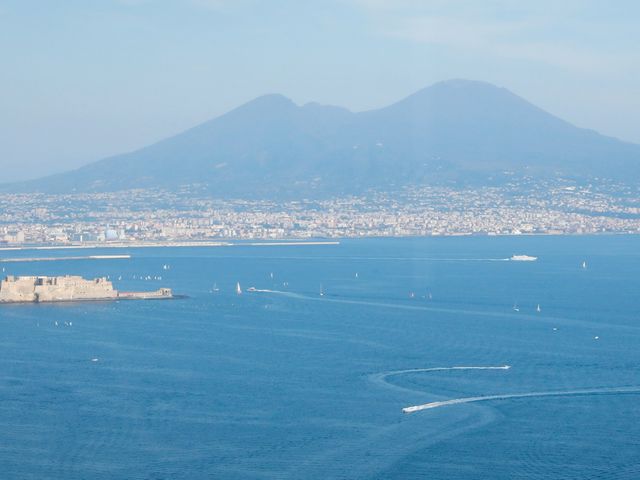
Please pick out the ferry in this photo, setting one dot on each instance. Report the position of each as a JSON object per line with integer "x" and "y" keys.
{"x": 523, "y": 258}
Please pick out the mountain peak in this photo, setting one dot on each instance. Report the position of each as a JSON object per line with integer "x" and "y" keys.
{"x": 461, "y": 89}
{"x": 270, "y": 100}
{"x": 464, "y": 83}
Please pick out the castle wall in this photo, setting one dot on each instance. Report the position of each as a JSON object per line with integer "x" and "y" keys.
{"x": 18, "y": 289}
{"x": 51, "y": 289}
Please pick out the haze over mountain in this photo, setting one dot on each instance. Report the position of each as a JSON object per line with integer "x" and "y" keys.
{"x": 457, "y": 130}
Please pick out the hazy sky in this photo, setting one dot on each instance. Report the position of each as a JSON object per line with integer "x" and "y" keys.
{"x": 83, "y": 79}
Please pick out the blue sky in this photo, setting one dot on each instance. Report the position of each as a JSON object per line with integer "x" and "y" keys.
{"x": 83, "y": 79}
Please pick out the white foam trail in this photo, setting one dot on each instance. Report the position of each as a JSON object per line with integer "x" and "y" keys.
{"x": 383, "y": 376}
{"x": 507, "y": 396}
{"x": 439, "y": 369}
{"x": 418, "y": 306}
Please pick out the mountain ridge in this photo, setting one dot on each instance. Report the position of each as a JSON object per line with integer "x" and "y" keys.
{"x": 452, "y": 131}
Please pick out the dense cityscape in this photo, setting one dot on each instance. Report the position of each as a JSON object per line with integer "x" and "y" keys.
{"x": 140, "y": 216}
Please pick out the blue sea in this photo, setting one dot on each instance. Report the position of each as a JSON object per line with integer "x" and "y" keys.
{"x": 284, "y": 383}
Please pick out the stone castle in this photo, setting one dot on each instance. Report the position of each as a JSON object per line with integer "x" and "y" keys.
{"x": 36, "y": 289}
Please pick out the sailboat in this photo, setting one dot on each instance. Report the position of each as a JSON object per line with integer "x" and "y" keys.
{"x": 584, "y": 264}
{"x": 516, "y": 308}
{"x": 238, "y": 289}
{"x": 538, "y": 309}
{"x": 321, "y": 291}
{"x": 215, "y": 287}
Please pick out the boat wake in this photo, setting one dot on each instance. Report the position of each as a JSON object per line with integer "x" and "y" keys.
{"x": 382, "y": 379}
{"x": 424, "y": 307}
{"x": 507, "y": 396}
{"x": 441, "y": 369}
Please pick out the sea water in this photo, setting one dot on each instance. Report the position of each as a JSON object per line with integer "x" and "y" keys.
{"x": 284, "y": 383}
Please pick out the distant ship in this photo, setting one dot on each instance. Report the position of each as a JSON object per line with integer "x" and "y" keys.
{"x": 238, "y": 289}
{"x": 523, "y": 258}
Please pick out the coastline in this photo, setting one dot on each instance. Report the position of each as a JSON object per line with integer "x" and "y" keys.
{"x": 57, "y": 259}
{"x": 280, "y": 243}
{"x": 252, "y": 243}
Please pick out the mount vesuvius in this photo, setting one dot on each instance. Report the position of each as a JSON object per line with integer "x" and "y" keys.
{"x": 453, "y": 131}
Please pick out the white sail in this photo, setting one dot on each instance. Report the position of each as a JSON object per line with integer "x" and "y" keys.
{"x": 238, "y": 289}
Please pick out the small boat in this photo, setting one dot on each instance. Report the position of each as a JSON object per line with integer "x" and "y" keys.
{"x": 584, "y": 264}
{"x": 356, "y": 274}
{"x": 215, "y": 288}
{"x": 238, "y": 289}
{"x": 523, "y": 258}
{"x": 271, "y": 275}
{"x": 321, "y": 291}
{"x": 538, "y": 309}
{"x": 252, "y": 289}
{"x": 516, "y": 308}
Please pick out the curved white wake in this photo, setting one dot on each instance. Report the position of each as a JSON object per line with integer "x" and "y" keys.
{"x": 440, "y": 369}
{"x": 561, "y": 393}
{"x": 381, "y": 378}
